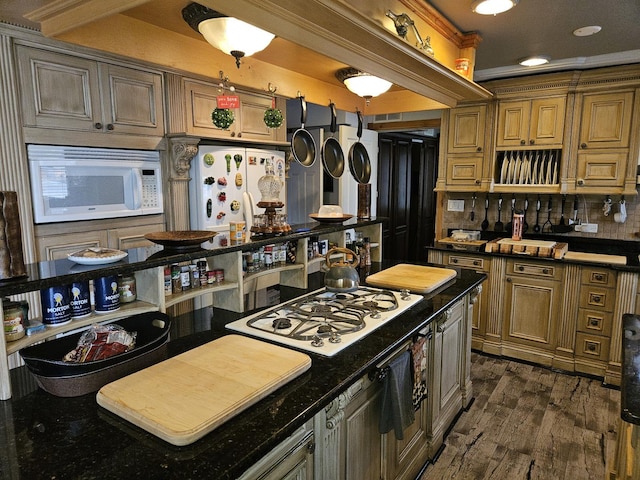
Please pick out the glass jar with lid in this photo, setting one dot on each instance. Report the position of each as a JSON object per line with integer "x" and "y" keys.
{"x": 13, "y": 320}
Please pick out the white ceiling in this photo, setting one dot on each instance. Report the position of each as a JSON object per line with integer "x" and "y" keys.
{"x": 544, "y": 27}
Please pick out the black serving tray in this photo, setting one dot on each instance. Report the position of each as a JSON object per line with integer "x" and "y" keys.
{"x": 67, "y": 379}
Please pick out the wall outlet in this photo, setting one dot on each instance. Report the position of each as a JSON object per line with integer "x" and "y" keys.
{"x": 587, "y": 228}
{"x": 455, "y": 205}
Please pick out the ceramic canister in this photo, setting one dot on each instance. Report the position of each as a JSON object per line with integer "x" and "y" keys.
{"x": 80, "y": 299}
{"x": 107, "y": 296}
{"x": 56, "y": 307}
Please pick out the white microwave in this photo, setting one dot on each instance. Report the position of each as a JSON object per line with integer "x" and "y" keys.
{"x": 80, "y": 183}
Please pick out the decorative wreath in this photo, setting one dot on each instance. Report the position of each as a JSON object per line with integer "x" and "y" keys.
{"x": 273, "y": 117}
{"x": 222, "y": 117}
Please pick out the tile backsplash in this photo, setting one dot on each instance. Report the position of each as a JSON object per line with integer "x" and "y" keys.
{"x": 590, "y": 210}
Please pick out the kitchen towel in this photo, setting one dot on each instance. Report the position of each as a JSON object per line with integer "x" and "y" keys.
{"x": 11, "y": 259}
{"x": 397, "y": 410}
{"x": 419, "y": 357}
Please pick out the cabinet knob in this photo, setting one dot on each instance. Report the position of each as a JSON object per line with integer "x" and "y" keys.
{"x": 591, "y": 347}
{"x": 580, "y": 182}
{"x": 532, "y": 141}
{"x": 521, "y": 268}
{"x": 522, "y": 142}
{"x": 110, "y": 126}
{"x": 98, "y": 126}
{"x": 599, "y": 277}
{"x": 233, "y": 134}
{"x": 477, "y": 182}
{"x": 476, "y": 262}
{"x": 583, "y": 145}
{"x": 546, "y": 271}
{"x": 509, "y": 280}
{"x": 597, "y": 298}
{"x": 594, "y": 322}
{"x": 454, "y": 260}
{"x": 239, "y": 134}
{"x": 478, "y": 149}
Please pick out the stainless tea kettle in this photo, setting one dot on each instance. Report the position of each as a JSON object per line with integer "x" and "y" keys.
{"x": 341, "y": 276}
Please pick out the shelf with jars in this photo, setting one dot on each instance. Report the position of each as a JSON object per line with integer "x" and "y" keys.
{"x": 148, "y": 267}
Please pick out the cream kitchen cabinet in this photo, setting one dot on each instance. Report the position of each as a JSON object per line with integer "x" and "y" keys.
{"x": 604, "y": 161}
{"x": 595, "y": 318}
{"x": 466, "y": 132}
{"x": 65, "y": 93}
{"x": 528, "y": 123}
{"x": 200, "y": 98}
{"x": 467, "y": 143}
{"x": 448, "y": 377}
{"x": 532, "y": 298}
{"x": 479, "y": 263}
{"x": 290, "y": 460}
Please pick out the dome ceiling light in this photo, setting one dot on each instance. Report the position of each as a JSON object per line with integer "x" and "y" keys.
{"x": 362, "y": 84}
{"x": 492, "y": 7}
{"x": 586, "y": 31}
{"x": 230, "y": 35}
{"x": 534, "y": 61}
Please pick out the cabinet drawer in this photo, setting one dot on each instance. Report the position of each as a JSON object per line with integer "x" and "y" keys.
{"x": 601, "y": 299}
{"x": 594, "y": 322}
{"x": 541, "y": 270}
{"x": 464, "y": 170}
{"x": 599, "y": 277}
{"x": 476, "y": 263}
{"x": 595, "y": 347}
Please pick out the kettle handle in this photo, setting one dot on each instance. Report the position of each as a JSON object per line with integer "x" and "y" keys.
{"x": 355, "y": 260}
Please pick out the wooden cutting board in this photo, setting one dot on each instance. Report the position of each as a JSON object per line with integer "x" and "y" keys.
{"x": 596, "y": 258}
{"x": 416, "y": 278}
{"x": 185, "y": 397}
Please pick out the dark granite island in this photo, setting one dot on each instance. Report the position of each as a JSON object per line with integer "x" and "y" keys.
{"x": 43, "y": 436}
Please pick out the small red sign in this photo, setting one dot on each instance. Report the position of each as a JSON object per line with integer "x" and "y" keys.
{"x": 228, "y": 101}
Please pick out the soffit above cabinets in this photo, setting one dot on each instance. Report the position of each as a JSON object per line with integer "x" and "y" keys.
{"x": 315, "y": 38}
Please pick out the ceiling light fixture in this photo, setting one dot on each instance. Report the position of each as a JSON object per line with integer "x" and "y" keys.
{"x": 492, "y": 7}
{"x": 234, "y": 37}
{"x": 586, "y": 31}
{"x": 362, "y": 84}
{"x": 534, "y": 61}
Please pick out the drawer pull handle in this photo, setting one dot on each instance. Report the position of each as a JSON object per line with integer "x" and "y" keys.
{"x": 592, "y": 347}
{"x": 594, "y": 322}
{"x": 546, "y": 271}
{"x": 597, "y": 298}
{"x": 599, "y": 277}
{"x": 454, "y": 260}
{"x": 521, "y": 268}
{"x": 476, "y": 262}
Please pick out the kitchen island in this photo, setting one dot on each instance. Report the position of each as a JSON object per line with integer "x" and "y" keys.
{"x": 44, "y": 436}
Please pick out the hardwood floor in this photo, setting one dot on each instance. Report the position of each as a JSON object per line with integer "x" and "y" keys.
{"x": 530, "y": 423}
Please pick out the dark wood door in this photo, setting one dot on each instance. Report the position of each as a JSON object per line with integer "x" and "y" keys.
{"x": 407, "y": 166}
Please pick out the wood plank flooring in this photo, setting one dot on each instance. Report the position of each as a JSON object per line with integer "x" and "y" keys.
{"x": 530, "y": 423}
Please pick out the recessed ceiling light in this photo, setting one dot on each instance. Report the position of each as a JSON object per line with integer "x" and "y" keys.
{"x": 492, "y": 7}
{"x": 586, "y": 31}
{"x": 534, "y": 61}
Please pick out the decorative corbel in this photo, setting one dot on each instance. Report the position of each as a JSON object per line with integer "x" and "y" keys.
{"x": 182, "y": 152}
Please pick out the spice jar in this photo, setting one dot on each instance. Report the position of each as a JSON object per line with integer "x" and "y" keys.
{"x": 13, "y": 320}
{"x": 127, "y": 288}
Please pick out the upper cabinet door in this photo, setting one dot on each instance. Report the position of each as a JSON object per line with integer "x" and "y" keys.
{"x": 513, "y": 123}
{"x": 529, "y": 123}
{"x": 59, "y": 91}
{"x": 467, "y": 129}
{"x": 132, "y": 101}
{"x": 606, "y": 120}
{"x": 547, "y": 121}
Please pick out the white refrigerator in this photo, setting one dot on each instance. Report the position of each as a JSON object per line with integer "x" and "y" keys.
{"x": 224, "y": 186}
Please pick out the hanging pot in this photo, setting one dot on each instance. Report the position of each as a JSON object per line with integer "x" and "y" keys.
{"x": 303, "y": 146}
{"x": 341, "y": 277}
{"x": 359, "y": 162}
{"x": 331, "y": 151}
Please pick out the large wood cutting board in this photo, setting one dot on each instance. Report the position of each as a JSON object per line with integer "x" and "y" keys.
{"x": 416, "y": 278}
{"x": 185, "y": 397}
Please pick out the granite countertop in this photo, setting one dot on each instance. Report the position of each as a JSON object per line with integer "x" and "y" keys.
{"x": 44, "y": 436}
